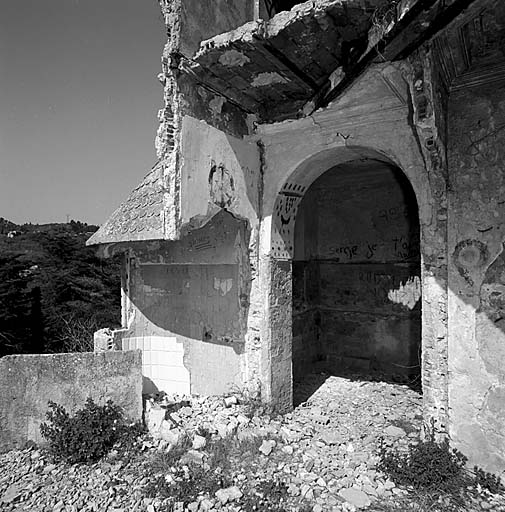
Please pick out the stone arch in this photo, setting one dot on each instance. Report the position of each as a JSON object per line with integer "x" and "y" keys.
{"x": 294, "y": 188}
{"x": 280, "y": 210}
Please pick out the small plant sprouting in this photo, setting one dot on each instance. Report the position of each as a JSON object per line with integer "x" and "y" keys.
{"x": 488, "y": 481}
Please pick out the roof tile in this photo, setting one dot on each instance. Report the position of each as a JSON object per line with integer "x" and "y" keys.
{"x": 140, "y": 217}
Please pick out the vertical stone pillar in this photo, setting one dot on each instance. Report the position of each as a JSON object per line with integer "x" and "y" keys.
{"x": 277, "y": 374}
{"x": 434, "y": 347}
{"x": 429, "y": 109}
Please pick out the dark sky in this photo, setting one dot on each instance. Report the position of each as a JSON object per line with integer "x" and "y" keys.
{"x": 78, "y": 103}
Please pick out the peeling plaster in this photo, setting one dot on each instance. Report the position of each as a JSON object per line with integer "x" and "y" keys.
{"x": 264, "y": 79}
{"x": 233, "y": 58}
{"x": 407, "y": 294}
{"x": 223, "y": 285}
{"x": 216, "y": 104}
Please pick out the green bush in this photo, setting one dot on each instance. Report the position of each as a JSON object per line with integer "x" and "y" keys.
{"x": 89, "y": 434}
{"x": 434, "y": 467}
{"x": 427, "y": 465}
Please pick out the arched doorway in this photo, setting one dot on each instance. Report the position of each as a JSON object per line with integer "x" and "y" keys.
{"x": 356, "y": 276}
{"x": 283, "y": 201}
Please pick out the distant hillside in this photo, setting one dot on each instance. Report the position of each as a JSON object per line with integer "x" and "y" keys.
{"x": 74, "y": 226}
{"x": 6, "y": 226}
{"x": 54, "y": 291}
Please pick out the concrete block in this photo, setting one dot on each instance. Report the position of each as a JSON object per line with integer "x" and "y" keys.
{"x": 28, "y": 382}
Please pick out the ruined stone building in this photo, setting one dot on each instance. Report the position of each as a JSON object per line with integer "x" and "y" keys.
{"x": 329, "y": 193}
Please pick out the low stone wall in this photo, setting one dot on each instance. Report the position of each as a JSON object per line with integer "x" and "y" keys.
{"x": 28, "y": 382}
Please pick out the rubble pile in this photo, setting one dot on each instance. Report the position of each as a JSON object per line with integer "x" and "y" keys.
{"x": 324, "y": 453}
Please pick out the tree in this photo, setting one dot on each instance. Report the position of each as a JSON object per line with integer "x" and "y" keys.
{"x": 54, "y": 291}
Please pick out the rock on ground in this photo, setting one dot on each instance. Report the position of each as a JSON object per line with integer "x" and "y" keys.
{"x": 325, "y": 452}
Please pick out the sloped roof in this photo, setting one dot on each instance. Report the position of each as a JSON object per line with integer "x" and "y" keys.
{"x": 138, "y": 218}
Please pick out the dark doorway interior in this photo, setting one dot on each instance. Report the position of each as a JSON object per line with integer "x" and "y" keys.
{"x": 275, "y": 6}
{"x": 356, "y": 275}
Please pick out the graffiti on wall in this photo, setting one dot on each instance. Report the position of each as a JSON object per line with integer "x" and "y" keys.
{"x": 284, "y": 220}
{"x": 400, "y": 247}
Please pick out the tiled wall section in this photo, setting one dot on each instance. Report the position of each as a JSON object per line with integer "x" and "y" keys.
{"x": 162, "y": 363}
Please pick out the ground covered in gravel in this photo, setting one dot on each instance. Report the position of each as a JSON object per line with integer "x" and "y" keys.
{"x": 230, "y": 454}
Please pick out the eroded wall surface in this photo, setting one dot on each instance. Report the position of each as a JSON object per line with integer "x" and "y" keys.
{"x": 218, "y": 171}
{"x": 374, "y": 119}
{"x": 356, "y": 271}
{"x": 188, "y": 307}
{"x": 202, "y": 19}
{"x": 477, "y": 273}
{"x": 28, "y": 382}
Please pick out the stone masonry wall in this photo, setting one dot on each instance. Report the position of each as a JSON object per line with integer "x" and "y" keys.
{"x": 28, "y": 382}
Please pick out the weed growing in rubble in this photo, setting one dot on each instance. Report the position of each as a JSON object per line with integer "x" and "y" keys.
{"x": 251, "y": 404}
{"x": 267, "y": 496}
{"x": 185, "y": 484}
{"x": 164, "y": 461}
{"x": 427, "y": 465}
{"x": 488, "y": 481}
{"x": 436, "y": 473}
{"x": 224, "y": 453}
{"x": 417, "y": 502}
{"x": 174, "y": 482}
{"x": 89, "y": 434}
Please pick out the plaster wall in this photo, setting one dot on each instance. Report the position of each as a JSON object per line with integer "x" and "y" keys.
{"x": 189, "y": 298}
{"x": 187, "y": 22}
{"x": 477, "y": 274}
{"x": 222, "y": 172}
{"x": 28, "y": 382}
{"x": 218, "y": 171}
{"x": 356, "y": 273}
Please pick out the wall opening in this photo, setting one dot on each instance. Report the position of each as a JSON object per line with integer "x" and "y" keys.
{"x": 356, "y": 285}
{"x": 272, "y": 7}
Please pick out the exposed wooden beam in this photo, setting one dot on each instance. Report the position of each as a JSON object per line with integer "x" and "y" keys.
{"x": 405, "y": 37}
{"x": 270, "y": 48}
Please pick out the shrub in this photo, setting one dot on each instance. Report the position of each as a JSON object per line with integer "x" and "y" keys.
{"x": 427, "y": 465}
{"x": 89, "y": 434}
{"x": 435, "y": 469}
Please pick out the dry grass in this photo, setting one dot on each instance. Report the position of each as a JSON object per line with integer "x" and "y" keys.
{"x": 419, "y": 502}
{"x": 163, "y": 461}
